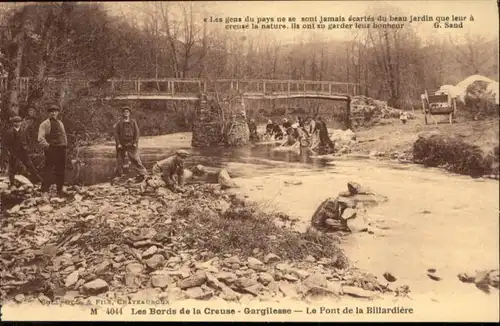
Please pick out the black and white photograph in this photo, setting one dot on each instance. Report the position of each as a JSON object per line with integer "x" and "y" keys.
{"x": 249, "y": 161}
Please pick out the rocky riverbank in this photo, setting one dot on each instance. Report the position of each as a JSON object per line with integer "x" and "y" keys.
{"x": 109, "y": 241}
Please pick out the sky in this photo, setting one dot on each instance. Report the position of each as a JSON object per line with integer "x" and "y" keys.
{"x": 485, "y": 13}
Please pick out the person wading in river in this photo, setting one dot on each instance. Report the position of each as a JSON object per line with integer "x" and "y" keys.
{"x": 127, "y": 142}
{"x": 273, "y": 129}
{"x": 52, "y": 138}
{"x": 324, "y": 138}
{"x": 16, "y": 146}
{"x": 168, "y": 172}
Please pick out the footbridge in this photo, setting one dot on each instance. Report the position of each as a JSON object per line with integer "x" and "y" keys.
{"x": 189, "y": 89}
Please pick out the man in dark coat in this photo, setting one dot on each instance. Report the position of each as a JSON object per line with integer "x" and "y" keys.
{"x": 126, "y": 132}
{"x": 324, "y": 138}
{"x": 16, "y": 146}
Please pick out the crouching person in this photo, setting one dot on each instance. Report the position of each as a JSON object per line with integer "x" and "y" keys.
{"x": 168, "y": 173}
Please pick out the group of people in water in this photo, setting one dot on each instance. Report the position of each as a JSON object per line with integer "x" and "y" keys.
{"x": 301, "y": 132}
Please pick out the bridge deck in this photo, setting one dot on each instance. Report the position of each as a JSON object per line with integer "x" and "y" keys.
{"x": 190, "y": 88}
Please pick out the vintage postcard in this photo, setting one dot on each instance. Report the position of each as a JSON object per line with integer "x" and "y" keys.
{"x": 249, "y": 161}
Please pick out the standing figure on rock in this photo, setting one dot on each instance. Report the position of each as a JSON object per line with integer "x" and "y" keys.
{"x": 16, "y": 146}
{"x": 126, "y": 132}
{"x": 53, "y": 140}
{"x": 324, "y": 138}
{"x": 168, "y": 172}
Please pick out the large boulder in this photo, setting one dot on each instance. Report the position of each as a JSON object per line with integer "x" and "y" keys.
{"x": 225, "y": 180}
{"x": 347, "y": 211}
{"x": 328, "y": 215}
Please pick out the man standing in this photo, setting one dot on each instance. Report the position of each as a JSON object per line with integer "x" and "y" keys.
{"x": 52, "y": 138}
{"x": 16, "y": 145}
{"x": 324, "y": 138}
{"x": 168, "y": 172}
{"x": 252, "y": 127}
{"x": 126, "y": 132}
{"x": 30, "y": 127}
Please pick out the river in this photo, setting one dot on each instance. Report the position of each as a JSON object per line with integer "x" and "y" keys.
{"x": 433, "y": 219}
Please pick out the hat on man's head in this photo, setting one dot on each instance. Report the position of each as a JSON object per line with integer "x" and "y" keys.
{"x": 126, "y": 108}
{"x": 182, "y": 153}
{"x": 16, "y": 118}
{"x": 53, "y": 107}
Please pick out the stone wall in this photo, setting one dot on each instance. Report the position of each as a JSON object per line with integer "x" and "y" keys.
{"x": 220, "y": 124}
{"x": 238, "y": 133}
{"x": 208, "y": 124}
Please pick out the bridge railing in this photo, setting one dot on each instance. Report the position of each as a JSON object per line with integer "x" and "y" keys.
{"x": 193, "y": 86}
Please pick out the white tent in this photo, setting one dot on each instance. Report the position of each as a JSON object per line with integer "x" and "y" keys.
{"x": 461, "y": 87}
{"x": 448, "y": 89}
{"x": 493, "y": 89}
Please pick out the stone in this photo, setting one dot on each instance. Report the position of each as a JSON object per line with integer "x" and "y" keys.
{"x": 244, "y": 282}
{"x": 19, "y": 298}
{"x": 335, "y": 287}
{"x": 232, "y": 260}
{"x": 348, "y": 213}
{"x": 256, "y": 264}
{"x": 225, "y": 180}
{"x": 45, "y": 208}
{"x": 213, "y": 282}
{"x": 23, "y": 180}
{"x": 317, "y": 279}
{"x": 174, "y": 260}
{"x": 229, "y": 295}
{"x": 353, "y": 187}
{"x": 310, "y": 259}
{"x": 357, "y": 224}
{"x": 119, "y": 258}
{"x": 226, "y": 277}
{"x": 301, "y": 274}
{"x": 44, "y": 299}
{"x": 175, "y": 293}
{"x": 283, "y": 267}
{"x": 150, "y": 252}
{"x": 71, "y": 279}
{"x": 288, "y": 290}
{"x": 134, "y": 268}
{"x": 328, "y": 209}
{"x": 198, "y": 293}
{"x": 156, "y": 261}
{"x": 265, "y": 278}
{"x": 494, "y": 277}
{"x": 95, "y": 287}
{"x": 130, "y": 280}
{"x": 195, "y": 280}
{"x": 466, "y": 277}
{"x": 160, "y": 280}
{"x": 254, "y": 289}
{"x": 290, "y": 277}
{"x": 141, "y": 243}
{"x": 481, "y": 278}
{"x": 271, "y": 258}
{"x": 358, "y": 292}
